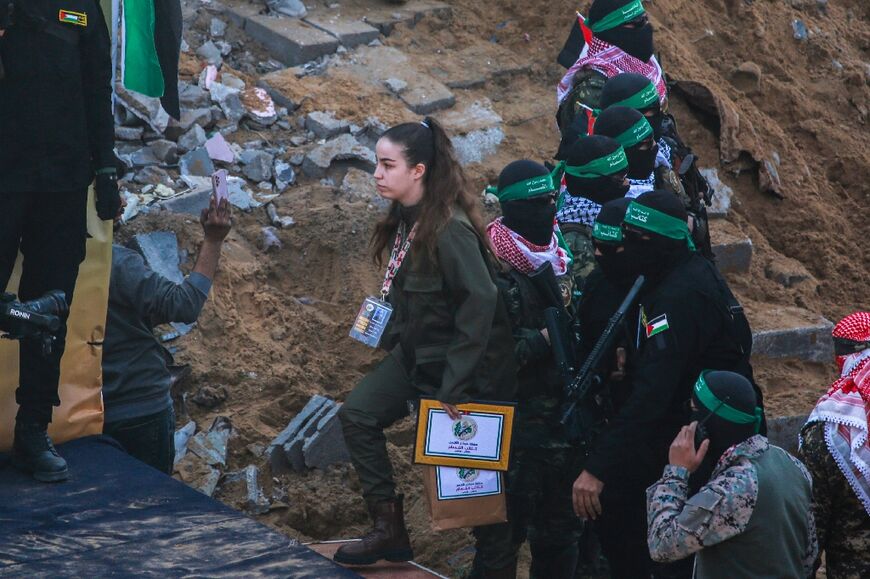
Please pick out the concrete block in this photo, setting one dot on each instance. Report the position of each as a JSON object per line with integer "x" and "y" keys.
{"x": 275, "y": 451}
{"x": 293, "y": 449}
{"x": 783, "y": 431}
{"x": 349, "y": 32}
{"x": 426, "y": 98}
{"x": 159, "y": 249}
{"x": 722, "y": 194}
{"x": 325, "y": 125}
{"x": 326, "y": 446}
{"x": 342, "y": 148}
{"x": 197, "y": 163}
{"x": 410, "y": 13}
{"x": 475, "y": 129}
{"x": 190, "y": 204}
{"x": 733, "y": 250}
{"x": 793, "y": 333}
{"x": 288, "y": 40}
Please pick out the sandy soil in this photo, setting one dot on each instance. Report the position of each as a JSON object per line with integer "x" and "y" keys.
{"x": 274, "y": 331}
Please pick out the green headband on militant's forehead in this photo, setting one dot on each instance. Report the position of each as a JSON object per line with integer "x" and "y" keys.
{"x": 606, "y": 233}
{"x": 534, "y": 187}
{"x": 650, "y": 219}
{"x": 723, "y": 410}
{"x": 602, "y": 167}
{"x": 618, "y": 17}
{"x": 635, "y": 134}
{"x": 645, "y": 98}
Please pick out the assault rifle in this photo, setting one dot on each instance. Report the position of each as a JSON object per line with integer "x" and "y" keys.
{"x": 557, "y": 319}
{"x": 580, "y": 414}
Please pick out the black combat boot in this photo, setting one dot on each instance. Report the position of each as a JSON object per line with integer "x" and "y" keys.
{"x": 33, "y": 452}
{"x": 388, "y": 538}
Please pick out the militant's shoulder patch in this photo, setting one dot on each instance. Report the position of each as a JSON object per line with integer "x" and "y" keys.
{"x": 70, "y": 17}
{"x": 656, "y": 325}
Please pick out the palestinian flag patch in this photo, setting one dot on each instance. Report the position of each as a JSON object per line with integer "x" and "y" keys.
{"x": 657, "y": 326}
{"x": 69, "y": 17}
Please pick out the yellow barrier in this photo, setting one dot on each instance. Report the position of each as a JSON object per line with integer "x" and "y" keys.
{"x": 81, "y": 376}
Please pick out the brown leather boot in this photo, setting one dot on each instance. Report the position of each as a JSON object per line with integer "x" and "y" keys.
{"x": 388, "y": 538}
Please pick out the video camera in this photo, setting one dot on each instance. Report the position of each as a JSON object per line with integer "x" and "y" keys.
{"x": 38, "y": 319}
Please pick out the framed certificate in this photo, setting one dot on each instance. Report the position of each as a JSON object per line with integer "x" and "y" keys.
{"x": 480, "y": 439}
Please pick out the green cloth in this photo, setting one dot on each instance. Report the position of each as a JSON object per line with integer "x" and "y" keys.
{"x": 142, "y": 72}
{"x": 528, "y": 189}
{"x": 721, "y": 408}
{"x": 635, "y": 134}
{"x": 607, "y": 233}
{"x": 642, "y": 99}
{"x": 610, "y": 164}
{"x": 655, "y": 221}
{"x": 618, "y": 17}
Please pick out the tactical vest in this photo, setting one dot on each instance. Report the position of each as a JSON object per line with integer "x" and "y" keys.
{"x": 775, "y": 539}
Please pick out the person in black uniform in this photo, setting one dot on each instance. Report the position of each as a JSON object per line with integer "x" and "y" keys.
{"x": 56, "y": 137}
{"x": 687, "y": 320}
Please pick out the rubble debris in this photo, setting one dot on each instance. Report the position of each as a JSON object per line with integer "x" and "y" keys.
{"x": 191, "y": 96}
{"x": 800, "y": 30}
{"x": 196, "y": 163}
{"x": 289, "y": 41}
{"x": 211, "y": 446}
{"x": 269, "y": 239}
{"x": 313, "y": 439}
{"x": 240, "y": 196}
{"x": 128, "y": 133}
{"x": 292, "y": 8}
{"x": 342, "y": 148}
{"x": 192, "y": 139}
{"x": 229, "y": 100}
{"x": 143, "y": 107}
{"x": 722, "y": 194}
{"x": 182, "y": 436}
{"x": 256, "y": 165}
{"x": 285, "y": 175}
{"x": 219, "y": 150}
{"x": 159, "y": 249}
{"x": 210, "y": 53}
{"x": 210, "y": 396}
{"x": 259, "y": 106}
{"x": 217, "y": 28}
{"x": 324, "y": 125}
{"x": 280, "y": 221}
{"x": 475, "y": 130}
{"x": 349, "y": 32}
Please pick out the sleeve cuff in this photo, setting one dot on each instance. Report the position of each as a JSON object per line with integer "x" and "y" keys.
{"x": 677, "y": 472}
{"x": 200, "y": 282}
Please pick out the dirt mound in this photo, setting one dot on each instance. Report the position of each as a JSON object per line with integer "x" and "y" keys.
{"x": 274, "y": 331}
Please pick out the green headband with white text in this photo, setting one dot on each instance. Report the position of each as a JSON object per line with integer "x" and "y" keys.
{"x": 721, "y": 409}
{"x": 527, "y": 189}
{"x": 650, "y": 219}
{"x": 618, "y": 17}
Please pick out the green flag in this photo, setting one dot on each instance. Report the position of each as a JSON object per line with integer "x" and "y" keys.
{"x": 142, "y": 72}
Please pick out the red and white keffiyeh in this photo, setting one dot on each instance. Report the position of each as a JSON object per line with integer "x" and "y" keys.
{"x": 611, "y": 60}
{"x": 845, "y": 411}
{"x": 523, "y": 255}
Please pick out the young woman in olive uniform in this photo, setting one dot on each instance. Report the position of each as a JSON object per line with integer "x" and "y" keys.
{"x": 449, "y": 336}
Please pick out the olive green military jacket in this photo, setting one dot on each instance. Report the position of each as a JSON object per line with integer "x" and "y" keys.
{"x": 449, "y": 325}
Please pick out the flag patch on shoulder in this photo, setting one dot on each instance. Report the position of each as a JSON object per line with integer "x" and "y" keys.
{"x": 657, "y": 326}
{"x": 70, "y": 17}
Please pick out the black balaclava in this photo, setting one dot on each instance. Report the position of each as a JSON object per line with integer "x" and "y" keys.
{"x": 613, "y": 263}
{"x": 598, "y": 189}
{"x": 622, "y": 87}
{"x": 656, "y": 256}
{"x": 735, "y": 391}
{"x": 638, "y": 42}
{"x": 532, "y": 218}
{"x": 614, "y": 122}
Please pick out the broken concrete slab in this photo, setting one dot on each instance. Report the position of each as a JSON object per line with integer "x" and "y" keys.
{"x": 256, "y": 165}
{"x": 255, "y": 500}
{"x": 192, "y": 139}
{"x": 211, "y": 446}
{"x": 145, "y": 108}
{"x": 189, "y": 117}
{"x": 259, "y": 106}
{"x": 159, "y": 249}
{"x": 474, "y": 66}
{"x": 196, "y": 163}
{"x": 348, "y": 31}
{"x": 386, "y": 18}
{"x": 733, "y": 250}
{"x": 376, "y": 65}
{"x": 293, "y": 449}
{"x": 129, "y": 133}
{"x": 240, "y": 196}
{"x": 191, "y": 203}
{"x": 182, "y": 436}
{"x": 324, "y": 125}
{"x": 342, "y": 148}
{"x": 722, "y": 194}
{"x": 219, "y": 149}
{"x": 275, "y": 452}
{"x": 783, "y": 431}
{"x": 289, "y": 41}
{"x": 360, "y": 185}
{"x": 475, "y": 129}
{"x": 326, "y": 446}
{"x": 790, "y": 332}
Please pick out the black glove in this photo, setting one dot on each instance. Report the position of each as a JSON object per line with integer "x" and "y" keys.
{"x": 108, "y": 197}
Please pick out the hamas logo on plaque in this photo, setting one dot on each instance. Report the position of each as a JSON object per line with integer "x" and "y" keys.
{"x": 465, "y": 428}
{"x": 468, "y": 474}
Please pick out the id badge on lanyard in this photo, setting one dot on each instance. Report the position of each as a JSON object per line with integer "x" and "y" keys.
{"x": 374, "y": 313}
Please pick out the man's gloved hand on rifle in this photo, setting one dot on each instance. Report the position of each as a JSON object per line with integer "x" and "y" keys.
{"x": 108, "y": 197}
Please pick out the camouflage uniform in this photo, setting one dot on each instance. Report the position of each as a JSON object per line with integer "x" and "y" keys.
{"x": 578, "y": 238}
{"x": 739, "y": 523}
{"x": 586, "y": 90}
{"x": 543, "y": 464}
{"x": 843, "y": 523}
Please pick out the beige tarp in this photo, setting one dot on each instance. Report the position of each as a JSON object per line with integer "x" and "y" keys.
{"x": 81, "y": 409}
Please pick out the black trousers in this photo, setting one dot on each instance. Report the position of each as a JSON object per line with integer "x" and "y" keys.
{"x": 50, "y": 230}
{"x": 150, "y": 439}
